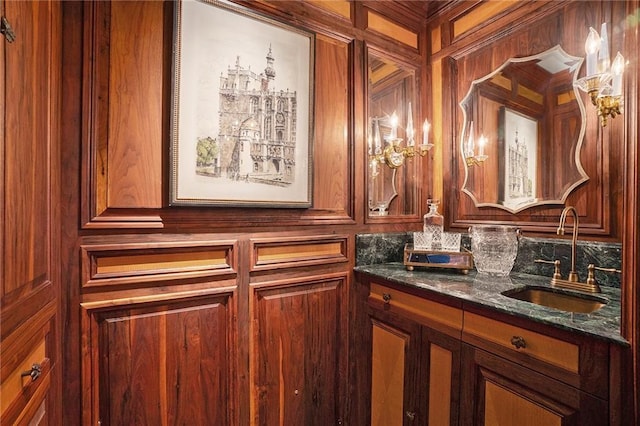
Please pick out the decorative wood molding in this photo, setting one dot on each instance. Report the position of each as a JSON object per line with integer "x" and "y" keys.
{"x": 117, "y": 264}
{"x": 278, "y": 253}
{"x": 110, "y": 300}
{"x": 472, "y": 56}
{"x": 442, "y": 317}
{"x": 341, "y": 8}
{"x": 390, "y": 29}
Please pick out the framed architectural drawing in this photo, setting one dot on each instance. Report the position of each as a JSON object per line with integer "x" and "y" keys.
{"x": 242, "y": 109}
{"x": 518, "y": 145}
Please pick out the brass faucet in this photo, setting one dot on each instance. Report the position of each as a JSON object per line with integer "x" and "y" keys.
{"x": 572, "y": 282}
{"x": 573, "y": 276}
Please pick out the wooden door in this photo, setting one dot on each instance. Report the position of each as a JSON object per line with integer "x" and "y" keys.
{"x": 498, "y": 392}
{"x": 299, "y": 353}
{"x": 395, "y": 371}
{"x": 29, "y": 283}
{"x": 163, "y": 363}
{"x": 441, "y": 358}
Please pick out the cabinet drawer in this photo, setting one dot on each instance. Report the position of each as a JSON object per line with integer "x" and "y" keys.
{"x": 548, "y": 349}
{"x": 433, "y": 313}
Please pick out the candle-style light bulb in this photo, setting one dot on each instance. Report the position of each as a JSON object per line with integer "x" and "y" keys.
{"x": 470, "y": 142}
{"x": 410, "y": 132}
{"x": 370, "y": 137}
{"x": 377, "y": 142}
{"x": 394, "y": 126}
{"x": 604, "y": 60}
{"x": 591, "y": 47}
{"x": 425, "y": 132}
{"x": 617, "y": 68}
{"x": 481, "y": 144}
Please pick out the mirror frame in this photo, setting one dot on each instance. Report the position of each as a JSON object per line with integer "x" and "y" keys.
{"x": 582, "y": 175}
{"x": 405, "y": 203}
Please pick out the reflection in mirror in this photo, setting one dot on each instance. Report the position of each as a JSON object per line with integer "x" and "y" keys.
{"x": 390, "y": 90}
{"x": 523, "y": 129}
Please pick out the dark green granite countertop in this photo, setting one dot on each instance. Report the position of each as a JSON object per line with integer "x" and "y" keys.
{"x": 485, "y": 290}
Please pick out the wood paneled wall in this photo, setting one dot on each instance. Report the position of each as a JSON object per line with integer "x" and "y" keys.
{"x": 126, "y": 111}
{"x": 252, "y": 304}
{"x": 130, "y": 260}
{"x": 469, "y": 40}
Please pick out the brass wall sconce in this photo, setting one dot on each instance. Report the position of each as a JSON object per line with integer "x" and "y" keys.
{"x": 393, "y": 154}
{"x": 603, "y": 80}
{"x": 470, "y": 158}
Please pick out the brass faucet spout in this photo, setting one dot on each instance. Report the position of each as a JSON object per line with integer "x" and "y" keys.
{"x": 573, "y": 276}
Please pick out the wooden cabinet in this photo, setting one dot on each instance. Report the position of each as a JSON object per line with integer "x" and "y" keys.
{"x": 201, "y": 329}
{"x": 414, "y": 355}
{"x": 30, "y": 57}
{"x": 514, "y": 373}
{"x": 161, "y": 362}
{"x": 158, "y": 321}
{"x": 436, "y": 360}
{"x": 395, "y": 369}
{"x": 164, "y": 363}
{"x": 495, "y": 391}
{"x": 296, "y": 352}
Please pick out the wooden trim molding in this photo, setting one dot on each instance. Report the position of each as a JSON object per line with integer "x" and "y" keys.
{"x": 428, "y": 312}
{"x": 116, "y": 264}
{"x": 390, "y": 29}
{"x": 278, "y": 253}
{"x": 631, "y": 227}
{"x": 341, "y": 8}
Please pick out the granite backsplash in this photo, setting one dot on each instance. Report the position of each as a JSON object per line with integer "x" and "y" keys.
{"x": 389, "y": 247}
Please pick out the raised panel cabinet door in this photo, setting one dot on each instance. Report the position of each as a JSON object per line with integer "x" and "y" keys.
{"x": 396, "y": 398}
{"x": 441, "y": 359}
{"x": 298, "y": 353}
{"x": 29, "y": 231}
{"x": 394, "y": 365}
{"x": 170, "y": 363}
{"x": 495, "y": 391}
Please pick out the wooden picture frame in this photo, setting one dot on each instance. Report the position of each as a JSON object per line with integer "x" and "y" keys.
{"x": 242, "y": 116}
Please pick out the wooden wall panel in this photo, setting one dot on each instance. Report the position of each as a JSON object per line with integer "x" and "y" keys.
{"x": 169, "y": 363}
{"x": 286, "y": 252}
{"x": 135, "y": 127}
{"x": 297, "y": 356}
{"x": 332, "y": 150}
{"x": 474, "y": 53}
{"x": 121, "y": 261}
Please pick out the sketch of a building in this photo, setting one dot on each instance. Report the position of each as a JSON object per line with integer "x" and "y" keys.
{"x": 520, "y": 184}
{"x": 256, "y": 138}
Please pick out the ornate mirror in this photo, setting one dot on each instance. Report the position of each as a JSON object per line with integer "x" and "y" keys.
{"x": 390, "y": 90}
{"x": 524, "y": 124}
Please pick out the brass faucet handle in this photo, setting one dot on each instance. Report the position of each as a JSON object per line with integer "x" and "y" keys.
{"x": 610, "y": 270}
{"x": 591, "y": 278}
{"x": 556, "y": 264}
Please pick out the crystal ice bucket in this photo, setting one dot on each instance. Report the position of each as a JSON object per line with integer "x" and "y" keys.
{"x": 494, "y": 248}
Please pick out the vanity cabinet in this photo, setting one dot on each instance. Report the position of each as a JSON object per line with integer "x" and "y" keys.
{"x": 434, "y": 359}
{"x": 495, "y": 391}
{"x": 512, "y": 375}
{"x": 414, "y": 357}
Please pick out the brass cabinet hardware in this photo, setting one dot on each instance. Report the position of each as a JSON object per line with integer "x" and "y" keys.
{"x": 6, "y": 29}
{"x": 34, "y": 373}
{"x": 518, "y": 342}
{"x": 410, "y": 415}
{"x": 386, "y": 297}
